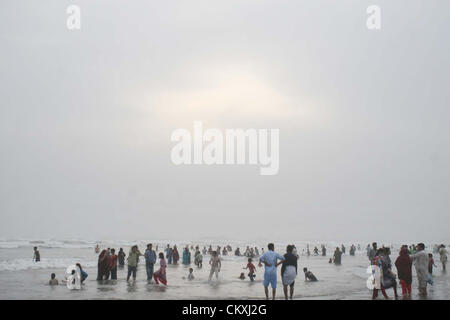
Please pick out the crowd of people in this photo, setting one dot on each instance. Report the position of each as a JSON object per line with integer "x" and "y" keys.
{"x": 408, "y": 256}
{"x": 379, "y": 258}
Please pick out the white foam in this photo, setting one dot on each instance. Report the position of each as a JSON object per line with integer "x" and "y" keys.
{"x": 28, "y": 264}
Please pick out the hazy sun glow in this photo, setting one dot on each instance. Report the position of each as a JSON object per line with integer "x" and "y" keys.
{"x": 226, "y": 93}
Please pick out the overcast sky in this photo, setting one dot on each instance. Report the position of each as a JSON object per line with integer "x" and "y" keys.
{"x": 86, "y": 118}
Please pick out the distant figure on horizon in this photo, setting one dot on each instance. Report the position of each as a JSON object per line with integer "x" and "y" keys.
{"x": 175, "y": 255}
{"x": 36, "y": 255}
{"x": 337, "y": 256}
{"x": 324, "y": 251}
{"x": 169, "y": 254}
{"x": 443, "y": 256}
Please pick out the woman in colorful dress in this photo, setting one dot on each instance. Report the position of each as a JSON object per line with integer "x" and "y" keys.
{"x": 186, "y": 256}
{"x": 404, "y": 271}
{"x": 102, "y": 266}
{"x": 175, "y": 255}
{"x": 160, "y": 275}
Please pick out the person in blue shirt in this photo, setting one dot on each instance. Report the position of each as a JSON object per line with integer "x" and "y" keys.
{"x": 150, "y": 260}
{"x": 83, "y": 273}
{"x": 169, "y": 254}
{"x": 270, "y": 260}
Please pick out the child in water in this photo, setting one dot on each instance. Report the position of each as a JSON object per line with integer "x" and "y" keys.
{"x": 430, "y": 268}
{"x": 191, "y": 274}
{"x": 53, "y": 281}
{"x": 251, "y": 267}
{"x": 309, "y": 276}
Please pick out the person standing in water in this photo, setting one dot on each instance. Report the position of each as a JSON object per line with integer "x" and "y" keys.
{"x": 216, "y": 264}
{"x": 161, "y": 275}
{"x": 443, "y": 256}
{"x": 175, "y": 255}
{"x": 150, "y": 260}
{"x": 289, "y": 271}
{"x": 121, "y": 257}
{"x": 420, "y": 260}
{"x": 372, "y": 252}
{"x": 169, "y": 254}
{"x": 430, "y": 268}
{"x": 36, "y": 255}
{"x": 186, "y": 256}
{"x": 132, "y": 262}
{"x": 404, "y": 271}
{"x": 270, "y": 259}
{"x": 112, "y": 265}
{"x": 102, "y": 265}
{"x": 337, "y": 256}
{"x": 198, "y": 258}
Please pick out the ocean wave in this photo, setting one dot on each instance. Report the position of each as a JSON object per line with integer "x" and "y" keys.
{"x": 28, "y": 264}
{"x": 50, "y": 243}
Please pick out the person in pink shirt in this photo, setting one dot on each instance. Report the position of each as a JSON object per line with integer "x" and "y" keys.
{"x": 160, "y": 275}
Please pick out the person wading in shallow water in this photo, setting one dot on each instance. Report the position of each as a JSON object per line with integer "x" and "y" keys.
{"x": 150, "y": 260}
{"x": 121, "y": 255}
{"x": 216, "y": 264}
{"x": 270, "y": 260}
{"x": 337, "y": 256}
{"x": 289, "y": 271}
{"x": 37, "y": 255}
{"x": 421, "y": 260}
{"x": 132, "y": 262}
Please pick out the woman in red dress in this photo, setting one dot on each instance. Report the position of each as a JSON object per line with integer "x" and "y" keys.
{"x": 160, "y": 275}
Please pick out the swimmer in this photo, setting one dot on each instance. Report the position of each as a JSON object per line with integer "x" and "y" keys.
{"x": 53, "y": 281}
{"x": 191, "y": 274}
{"x": 309, "y": 276}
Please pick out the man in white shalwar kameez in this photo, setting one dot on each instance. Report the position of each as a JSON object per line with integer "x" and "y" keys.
{"x": 421, "y": 260}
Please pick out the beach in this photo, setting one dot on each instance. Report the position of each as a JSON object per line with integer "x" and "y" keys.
{"x": 21, "y": 278}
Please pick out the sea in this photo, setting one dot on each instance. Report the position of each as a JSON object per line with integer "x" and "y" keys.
{"x": 22, "y": 278}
